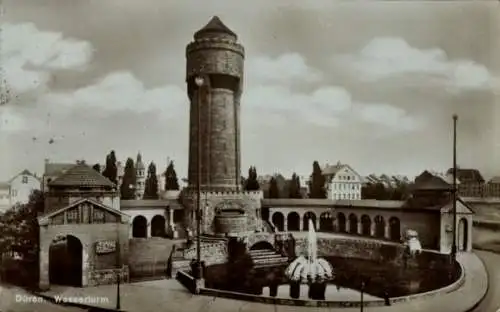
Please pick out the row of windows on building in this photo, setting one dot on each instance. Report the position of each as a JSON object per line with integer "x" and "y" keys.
{"x": 73, "y": 216}
{"x": 347, "y": 178}
{"x": 344, "y": 186}
{"x": 346, "y": 196}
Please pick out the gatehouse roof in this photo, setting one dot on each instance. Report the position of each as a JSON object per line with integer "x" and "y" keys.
{"x": 85, "y": 200}
{"x": 81, "y": 175}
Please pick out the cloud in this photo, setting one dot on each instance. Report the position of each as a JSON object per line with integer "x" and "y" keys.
{"x": 29, "y": 55}
{"x": 284, "y": 69}
{"x": 122, "y": 91}
{"x": 10, "y": 121}
{"x": 272, "y": 92}
{"x": 390, "y": 117}
{"x": 388, "y": 57}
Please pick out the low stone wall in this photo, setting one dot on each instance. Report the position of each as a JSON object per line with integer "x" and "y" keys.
{"x": 186, "y": 280}
{"x": 211, "y": 253}
{"x": 354, "y": 247}
{"x": 109, "y": 276}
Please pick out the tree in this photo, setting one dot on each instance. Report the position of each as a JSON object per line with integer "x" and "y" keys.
{"x": 171, "y": 181}
{"x": 274, "y": 191}
{"x": 380, "y": 192}
{"x": 127, "y": 188}
{"x": 317, "y": 183}
{"x": 251, "y": 183}
{"x": 294, "y": 187}
{"x": 97, "y": 168}
{"x": 19, "y": 235}
{"x": 111, "y": 170}
{"x": 151, "y": 189}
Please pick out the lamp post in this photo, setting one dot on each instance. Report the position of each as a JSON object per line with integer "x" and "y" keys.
{"x": 200, "y": 82}
{"x": 454, "y": 194}
{"x": 362, "y": 291}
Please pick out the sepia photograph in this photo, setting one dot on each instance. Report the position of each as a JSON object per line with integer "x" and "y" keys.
{"x": 261, "y": 156}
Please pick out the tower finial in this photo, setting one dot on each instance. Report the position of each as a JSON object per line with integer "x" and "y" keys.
{"x": 215, "y": 26}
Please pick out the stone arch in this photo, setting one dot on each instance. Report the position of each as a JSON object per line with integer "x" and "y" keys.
{"x": 395, "y": 229}
{"x": 366, "y": 225}
{"x": 140, "y": 226}
{"x": 308, "y": 216}
{"x": 158, "y": 226}
{"x": 353, "y": 224}
{"x": 379, "y": 227}
{"x": 293, "y": 222}
{"x": 341, "y": 222}
{"x": 66, "y": 261}
{"x": 326, "y": 222}
{"x": 463, "y": 235}
{"x": 262, "y": 245}
{"x": 278, "y": 221}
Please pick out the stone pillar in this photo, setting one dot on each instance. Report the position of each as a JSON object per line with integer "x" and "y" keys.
{"x": 372, "y": 229}
{"x": 285, "y": 225}
{"x": 301, "y": 223}
{"x": 317, "y": 224}
{"x": 148, "y": 232}
{"x": 386, "y": 231}
{"x": 360, "y": 227}
{"x": 85, "y": 265}
{"x": 170, "y": 217}
{"x": 43, "y": 282}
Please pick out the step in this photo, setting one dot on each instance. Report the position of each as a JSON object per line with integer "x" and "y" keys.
{"x": 265, "y": 257}
{"x": 259, "y": 252}
{"x": 262, "y": 254}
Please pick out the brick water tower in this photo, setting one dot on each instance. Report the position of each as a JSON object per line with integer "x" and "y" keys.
{"x": 214, "y": 77}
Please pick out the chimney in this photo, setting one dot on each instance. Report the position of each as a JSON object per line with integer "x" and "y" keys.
{"x": 47, "y": 161}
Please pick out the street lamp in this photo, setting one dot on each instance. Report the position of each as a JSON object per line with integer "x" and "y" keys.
{"x": 454, "y": 197}
{"x": 362, "y": 291}
{"x": 200, "y": 82}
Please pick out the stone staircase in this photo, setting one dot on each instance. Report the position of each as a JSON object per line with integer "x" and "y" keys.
{"x": 148, "y": 257}
{"x": 267, "y": 258}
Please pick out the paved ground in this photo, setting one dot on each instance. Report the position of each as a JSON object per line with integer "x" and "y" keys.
{"x": 489, "y": 240}
{"x": 491, "y": 302}
{"x": 14, "y": 299}
{"x": 169, "y": 295}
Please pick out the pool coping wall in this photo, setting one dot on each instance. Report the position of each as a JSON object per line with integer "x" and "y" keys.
{"x": 190, "y": 283}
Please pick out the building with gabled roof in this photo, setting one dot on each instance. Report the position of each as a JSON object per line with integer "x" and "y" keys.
{"x": 493, "y": 187}
{"x": 18, "y": 189}
{"x": 342, "y": 181}
{"x": 472, "y": 183}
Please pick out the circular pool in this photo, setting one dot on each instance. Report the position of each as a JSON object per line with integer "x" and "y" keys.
{"x": 379, "y": 279}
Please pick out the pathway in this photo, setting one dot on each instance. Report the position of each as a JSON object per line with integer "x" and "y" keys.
{"x": 169, "y": 295}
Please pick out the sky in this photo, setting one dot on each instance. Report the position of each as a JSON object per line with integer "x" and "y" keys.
{"x": 370, "y": 84}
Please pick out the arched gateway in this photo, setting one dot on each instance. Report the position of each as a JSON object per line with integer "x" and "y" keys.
{"x": 81, "y": 244}
{"x": 66, "y": 261}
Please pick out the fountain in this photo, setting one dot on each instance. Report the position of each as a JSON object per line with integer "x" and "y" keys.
{"x": 312, "y": 270}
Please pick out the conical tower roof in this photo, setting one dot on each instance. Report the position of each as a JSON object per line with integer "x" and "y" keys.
{"x": 215, "y": 25}
{"x": 139, "y": 164}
